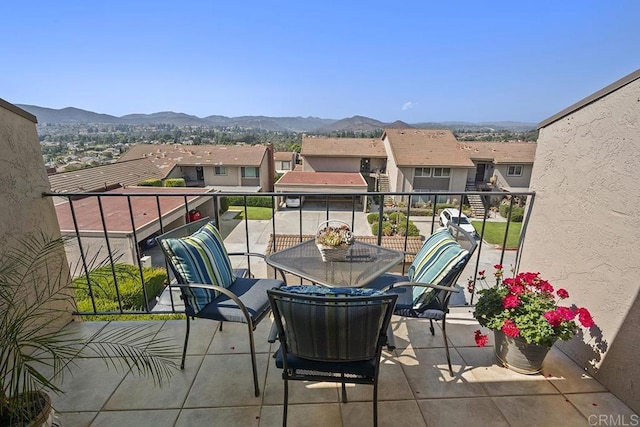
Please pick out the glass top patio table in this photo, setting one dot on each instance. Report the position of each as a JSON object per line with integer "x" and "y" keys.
{"x": 364, "y": 263}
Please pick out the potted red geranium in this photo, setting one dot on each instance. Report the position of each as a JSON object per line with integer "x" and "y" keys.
{"x": 527, "y": 317}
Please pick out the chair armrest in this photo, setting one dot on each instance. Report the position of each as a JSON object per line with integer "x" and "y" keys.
{"x": 223, "y": 291}
{"x": 424, "y": 285}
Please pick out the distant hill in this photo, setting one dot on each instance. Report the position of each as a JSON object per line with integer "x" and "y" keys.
{"x": 72, "y": 115}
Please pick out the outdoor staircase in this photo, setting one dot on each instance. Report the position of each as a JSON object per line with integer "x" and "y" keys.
{"x": 383, "y": 187}
{"x": 475, "y": 201}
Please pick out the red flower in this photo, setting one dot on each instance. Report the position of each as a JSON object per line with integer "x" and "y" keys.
{"x": 566, "y": 313}
{"x": 562, "y": 293}
{"x": 511, "y": 301}
{"x": 585, "y": 317}
{"x": 481, "y": 340}
{"x": 545, "y": 286}
{"x": 498, "y": 266}
{"x": 554, "y": 318}
{"x": 510, "y": 329}
{"x": 516, "y": 289}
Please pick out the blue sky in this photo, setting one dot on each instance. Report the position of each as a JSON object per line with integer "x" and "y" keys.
{"x": 413, "y": 61}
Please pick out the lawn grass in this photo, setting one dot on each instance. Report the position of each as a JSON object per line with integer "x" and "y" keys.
{"x": 252, "y": 212}
{"x": 494, "y": 232}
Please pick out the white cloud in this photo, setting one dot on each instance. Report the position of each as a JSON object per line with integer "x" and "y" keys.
{"x": 409, "y": 104}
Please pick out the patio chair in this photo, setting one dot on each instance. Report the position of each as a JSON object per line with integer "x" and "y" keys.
{"x": 425, "y": 292}
{"x": 331, "y": 334}
{"x": 210, "y": 288}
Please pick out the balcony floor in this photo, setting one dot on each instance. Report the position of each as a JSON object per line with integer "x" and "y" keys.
{"x": 415, "y": 388}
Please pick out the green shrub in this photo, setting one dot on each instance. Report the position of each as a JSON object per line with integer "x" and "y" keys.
{"x": 387, "y": 228}
{"x": 223, "y": 204}
{"x": 151, "y": 183}
{"x": 129, "y": 285}
{"x": 397, "y": 217}
{"x": 256, "y": 201}
{"x": 175, "y": 182}
{"x": 373, "y": 217}
{"x": 517, "y": 215}
{"x": 413, "y": 230}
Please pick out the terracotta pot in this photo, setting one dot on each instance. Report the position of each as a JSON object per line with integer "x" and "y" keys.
{"x": 517, "y": 355}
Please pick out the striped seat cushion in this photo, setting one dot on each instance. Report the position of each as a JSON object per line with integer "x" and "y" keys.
{"x": 324, "y": 291}
{"x": 200, "y": 258}
{"x": 439, "y": 256}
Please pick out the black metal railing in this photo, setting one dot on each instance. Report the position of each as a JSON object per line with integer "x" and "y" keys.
{"x": 132, "y": 232}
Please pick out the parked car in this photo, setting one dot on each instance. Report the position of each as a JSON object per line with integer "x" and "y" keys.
{"x": 292, "y": 201}
{"x": 450, "y": 214}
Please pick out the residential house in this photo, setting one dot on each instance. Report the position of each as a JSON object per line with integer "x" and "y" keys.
{"x": 285, "y": 161}
{"x": 587, "y": 193}
{"x": 422, "y": 160}
{"x": 227, "y": 168}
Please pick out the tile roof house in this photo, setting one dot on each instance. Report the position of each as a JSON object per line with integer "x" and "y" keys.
{"x": 285, "y": 160}
{"x": 105, "y": 177}
{"x": 230, "y": 168}
{"x": 427, "y": 160}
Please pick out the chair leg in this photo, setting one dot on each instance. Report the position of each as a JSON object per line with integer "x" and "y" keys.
{"x": 433, "y": 332}
{"x": 375, "y": 403}
{"x": 186, "y": 341}
{"x": 220, "y": 328}
{"x": 253, "y": 360}
{"x": 286, "y": 402}
{"x": 446, "y": 343}
{"x": 344, "y": 391}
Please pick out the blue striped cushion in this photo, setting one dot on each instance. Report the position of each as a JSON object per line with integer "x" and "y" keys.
{"x": 437, "y": 257}
{"x": 324, "y": 291}
{"x": 200, "y": 258}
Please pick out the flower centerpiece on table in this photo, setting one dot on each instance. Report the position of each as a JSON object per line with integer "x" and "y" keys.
{"x": 334, "y": 241}
{"x": 528, "y": 309}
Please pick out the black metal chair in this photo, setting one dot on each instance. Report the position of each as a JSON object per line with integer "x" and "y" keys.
{"x": 334, "y": 338}
{"x": 434, "y": 271}
{"x": 244, "y": 300}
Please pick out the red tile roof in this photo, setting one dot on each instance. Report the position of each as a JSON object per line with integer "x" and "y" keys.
{"x": 116, "y": 209}
{"x": 323, "y": 178}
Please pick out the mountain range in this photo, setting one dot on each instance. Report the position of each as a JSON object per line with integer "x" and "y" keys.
{"x": 71, "y": 115}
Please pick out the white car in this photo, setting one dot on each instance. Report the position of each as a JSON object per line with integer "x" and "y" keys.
{"x": 292, "y": 201}
{"x": 450, "y": 214}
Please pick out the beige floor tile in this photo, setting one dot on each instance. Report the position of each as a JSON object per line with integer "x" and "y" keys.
{"x": 234, "y": 338}
{"x": 428, "y": 374}
{"x": 390, "y": 413}
{"x": 228, "y": 417}
{"x": 475, "y": 411}
{"x": 76, "y": 419}
{"x": 226, "y": 380}
{"x": 392, "y": 383}
{"x": 566, "y": 375}
{"x": 88, "y": 387}
{"x": 539, "y": 411}
{"x": 150, "y": 396}
{"x": 603, "y": 408}
{"x": 500, "y": 381}
{"x": 304, "y": 415}
{"x": 155, "y": 418}
{"x": 414, "y": 333}
{"x": 461, "y": 330}
{"x": 200, "y": 334}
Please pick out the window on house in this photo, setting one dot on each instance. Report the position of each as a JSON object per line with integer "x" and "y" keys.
{"x": 423, "y": 172}
{"x": 514, "y": 170}
{"x": 285, "y": 165}
{"x": 220, "y": 170}
{"x": 441, "y": 172}
{"x": 250, "y": 173}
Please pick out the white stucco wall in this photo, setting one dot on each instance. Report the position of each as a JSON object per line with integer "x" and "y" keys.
{"x": 25, "y": 212}
{"x": 584, "y": 233}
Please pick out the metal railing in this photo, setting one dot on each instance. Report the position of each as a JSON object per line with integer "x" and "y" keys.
{"x": 211, "y": 204}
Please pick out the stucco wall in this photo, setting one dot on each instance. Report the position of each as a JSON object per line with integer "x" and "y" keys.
{"x": 516, "y": 181}
{"x": 25, "y": 212}
{"x": 231, "y": 178}
{"x": 586, "y": 178}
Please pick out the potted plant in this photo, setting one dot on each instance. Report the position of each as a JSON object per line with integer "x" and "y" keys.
{"x": 527, "y": 318}
{"x": 35, "y": 297}
{"x": 334, "y": 241}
